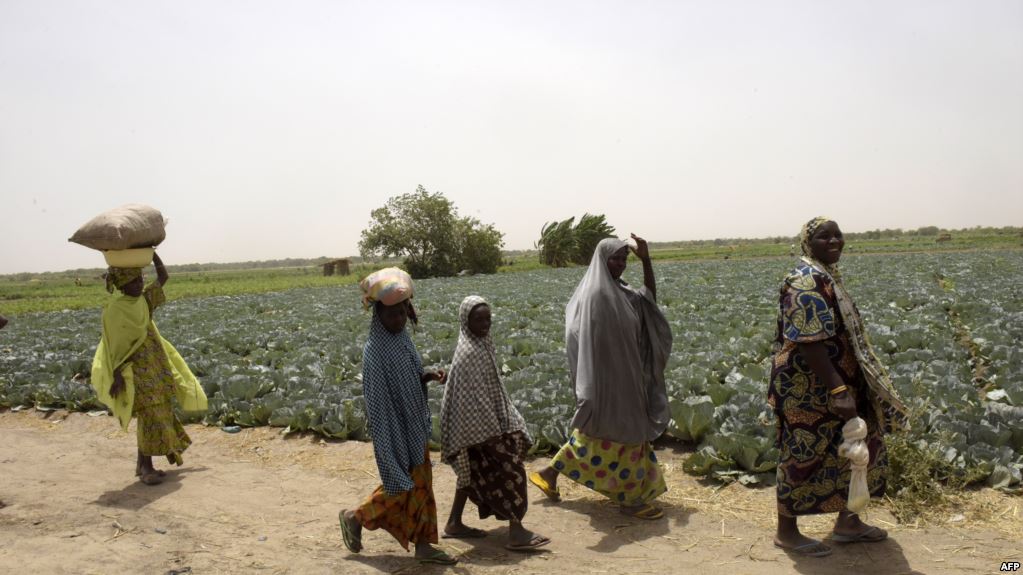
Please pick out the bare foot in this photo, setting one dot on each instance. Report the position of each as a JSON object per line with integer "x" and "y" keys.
{"x": 462, "y": 531}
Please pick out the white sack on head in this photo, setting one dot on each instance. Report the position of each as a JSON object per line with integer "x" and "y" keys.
{"x": 127, "y": 227}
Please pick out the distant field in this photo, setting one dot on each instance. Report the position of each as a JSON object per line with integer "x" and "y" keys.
{"x": 61, "y": 292}
{"x": 28, "y": 293}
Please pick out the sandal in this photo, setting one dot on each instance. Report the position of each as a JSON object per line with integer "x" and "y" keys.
{"x": 647, "y": 511}
{"x": 554, "y": 494}
{"x": 869, "y": 535}
{"x": 807, "y": 549}
{"x": 438, "y": 557}
{"x": 353, "y": 543}
{"x": 535, "y": 543}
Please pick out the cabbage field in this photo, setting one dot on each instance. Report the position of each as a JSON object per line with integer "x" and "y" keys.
{"x": 949, "y": 326}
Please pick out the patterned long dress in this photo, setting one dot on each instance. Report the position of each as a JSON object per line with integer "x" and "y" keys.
{"x": 159, "y": 430}
{"x": 812, "y": 478}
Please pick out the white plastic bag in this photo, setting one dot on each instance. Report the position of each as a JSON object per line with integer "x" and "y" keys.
{"x": 855, "y": 450}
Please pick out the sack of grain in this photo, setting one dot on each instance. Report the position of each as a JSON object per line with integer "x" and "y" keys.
{"x": 389, "y": 285}
{"x": 126, "y": 227}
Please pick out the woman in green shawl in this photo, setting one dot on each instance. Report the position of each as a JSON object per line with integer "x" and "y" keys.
{"x": 137, "y": 373}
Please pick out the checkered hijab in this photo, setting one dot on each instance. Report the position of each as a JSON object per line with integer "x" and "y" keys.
{"x": 476, "y": 406}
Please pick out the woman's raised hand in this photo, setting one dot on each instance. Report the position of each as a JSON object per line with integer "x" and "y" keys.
{"x": 641, "y": 250}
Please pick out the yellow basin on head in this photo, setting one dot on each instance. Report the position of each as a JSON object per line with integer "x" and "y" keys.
{"x": 133, "y": 258}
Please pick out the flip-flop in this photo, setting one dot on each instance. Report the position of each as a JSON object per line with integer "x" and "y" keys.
{"x": 151, "y": 478}
{"x": 469, "y": 533}
{"x": 648, "y": 512}
{"x": 439, "y": 557}
{"x": 805, "y": 549}
{"x": 536, "y": 479}
{"x": 535, "y": 543}
{"x": 869, "y": 535}
{"x": 353, "y": 543}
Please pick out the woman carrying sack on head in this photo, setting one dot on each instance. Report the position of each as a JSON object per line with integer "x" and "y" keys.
{"x": 136, "y": 372}
{"x": 394, "y": 387}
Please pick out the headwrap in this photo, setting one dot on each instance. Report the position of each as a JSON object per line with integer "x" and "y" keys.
{"x": 476, "y": 406}
{"x": 120, "y": 277}
{"x": 399, "y": 416}
{"x": 806, "y": 234}
{"x": 618, "y": 342}
{"x": 890, "y": 410}
{"x": 388, "y": 286}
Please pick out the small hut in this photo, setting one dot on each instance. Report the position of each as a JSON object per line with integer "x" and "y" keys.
{"x": 336, "y": 267}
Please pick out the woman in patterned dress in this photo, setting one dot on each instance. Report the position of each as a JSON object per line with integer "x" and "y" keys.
{"x": 137, "y": 372}
{"x": 394, "y": 387}
{"x": 824, "y": 373}
{"x": 618, "y": 342}
{"x": 484, "y": 436}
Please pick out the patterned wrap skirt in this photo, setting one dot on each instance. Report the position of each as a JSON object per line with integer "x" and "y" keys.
{"x": 625, "y": 474}
{"x": 409, "y": 516}
{"x": 497, "y": 477}
{"x": 159, "y": 430}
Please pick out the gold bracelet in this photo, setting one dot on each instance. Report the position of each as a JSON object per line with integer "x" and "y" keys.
{"x": 839, "y": 389}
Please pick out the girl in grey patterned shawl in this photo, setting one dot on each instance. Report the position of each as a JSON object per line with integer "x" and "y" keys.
{"x": 484, "y": 437}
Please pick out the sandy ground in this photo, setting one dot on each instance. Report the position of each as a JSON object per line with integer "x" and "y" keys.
{"x": 258, "y": 502}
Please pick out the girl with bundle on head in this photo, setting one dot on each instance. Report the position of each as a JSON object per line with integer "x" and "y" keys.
{"x": 394, "y": 387}
{"x": 137, "y": 372}
{"x": 484, "y": 437}
{"x": 824, "y": 374}
{"x": 618, "y": 342}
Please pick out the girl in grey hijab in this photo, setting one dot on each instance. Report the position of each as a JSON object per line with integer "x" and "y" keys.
{"x": 618, "y": 342}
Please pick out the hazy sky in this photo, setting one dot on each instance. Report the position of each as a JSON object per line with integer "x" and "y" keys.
{"x": 267, "y": 130}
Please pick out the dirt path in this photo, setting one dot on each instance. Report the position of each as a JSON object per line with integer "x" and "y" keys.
{"x": 255, "y": 502}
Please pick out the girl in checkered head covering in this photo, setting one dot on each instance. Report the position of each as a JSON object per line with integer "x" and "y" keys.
{"x": 484, "y": 437}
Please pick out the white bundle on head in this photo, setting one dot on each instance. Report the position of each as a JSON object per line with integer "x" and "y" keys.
{"x": 855, "y": 450}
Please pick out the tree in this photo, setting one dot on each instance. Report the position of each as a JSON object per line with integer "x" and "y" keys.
{"x": 561, "y": 243}
{"x": 426, "y": 230}
{"x": 479, "y": 246}
{"x": 588, "y": 233}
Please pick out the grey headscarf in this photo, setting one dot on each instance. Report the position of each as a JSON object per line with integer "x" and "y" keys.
{"x": 618, "y": 343}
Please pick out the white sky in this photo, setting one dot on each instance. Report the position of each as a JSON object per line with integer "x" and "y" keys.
{"x": 267, "y": 130}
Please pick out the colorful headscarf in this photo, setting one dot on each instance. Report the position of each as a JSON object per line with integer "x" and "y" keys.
{"x": 890, "y": 410}
{"x": 388, "y": 286}
{"x": 476, "y": 406}
{"x": 120, "y": 277}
